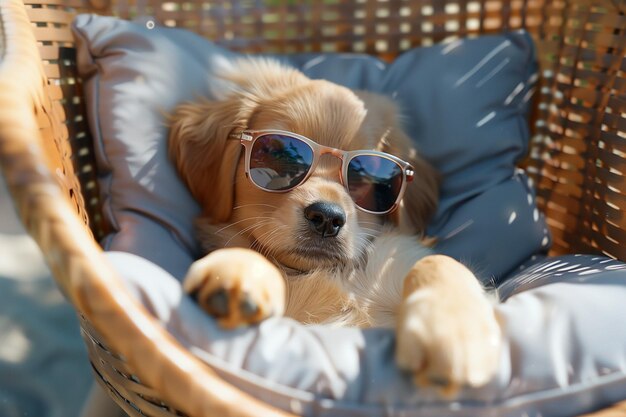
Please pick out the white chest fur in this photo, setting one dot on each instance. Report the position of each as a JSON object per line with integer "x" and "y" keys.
{"x": 366, "y": 296}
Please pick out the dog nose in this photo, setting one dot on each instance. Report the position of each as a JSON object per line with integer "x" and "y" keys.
{"x": 325, "y": 218}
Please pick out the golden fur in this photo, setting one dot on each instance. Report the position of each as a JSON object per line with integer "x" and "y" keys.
{"x": 364, "y": 276}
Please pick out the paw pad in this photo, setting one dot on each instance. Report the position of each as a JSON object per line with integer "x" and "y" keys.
{"x": 217, "y": 303}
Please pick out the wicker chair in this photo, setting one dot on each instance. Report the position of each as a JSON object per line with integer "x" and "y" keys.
{"x": 577, "y": 157}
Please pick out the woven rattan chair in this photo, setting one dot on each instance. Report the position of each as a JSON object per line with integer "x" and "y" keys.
{"x": 577, "y": 157}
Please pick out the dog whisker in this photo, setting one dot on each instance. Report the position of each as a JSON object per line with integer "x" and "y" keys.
{"x": 366, "y": 222}
{"x": 255, "y": 204}
{"x": 491, "y": 287}
{"x": 267, "y": 236}
{"x": 365, "y": 236}
{"x": 257, "y": 225}
{"x": 249, "y": 229}
{"x": 371, "y": 235}
{"x": 365, "y": 240}
{"x": 267, "y": 250}
{"x": 272, "y": 233}
{"x": 269, "y": 253}
{"x": 240, "y": 221}
{"x": 361, "y": 257}
{"x": 373, "y": 231}
{"x": 378, "y": 226}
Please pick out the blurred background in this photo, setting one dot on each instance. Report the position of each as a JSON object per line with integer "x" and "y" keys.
{"x": 44, "y": 370}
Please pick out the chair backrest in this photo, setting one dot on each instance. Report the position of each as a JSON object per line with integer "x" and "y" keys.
{"x": 579, "y": 123}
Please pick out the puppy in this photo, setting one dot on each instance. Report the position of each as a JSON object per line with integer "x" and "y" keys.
{"x": 314, "y": 206}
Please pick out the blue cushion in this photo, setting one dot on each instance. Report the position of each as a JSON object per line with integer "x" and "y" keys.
{"x": 465, "y": 104}
{"x": 563, "y": 355}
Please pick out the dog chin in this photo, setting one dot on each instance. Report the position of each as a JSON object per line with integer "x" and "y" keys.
{"x": 306, "y": 259}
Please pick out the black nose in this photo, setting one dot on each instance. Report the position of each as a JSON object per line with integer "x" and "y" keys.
{"x": 325, "y": 218}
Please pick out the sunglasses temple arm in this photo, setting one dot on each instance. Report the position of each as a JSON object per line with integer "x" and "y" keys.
{"x": 243, "y": 136}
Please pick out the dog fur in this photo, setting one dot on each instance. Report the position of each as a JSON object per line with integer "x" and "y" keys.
{"x": 378, "y": 271}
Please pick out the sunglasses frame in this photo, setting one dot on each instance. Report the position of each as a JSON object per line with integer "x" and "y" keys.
{"x": 249, "y": 137}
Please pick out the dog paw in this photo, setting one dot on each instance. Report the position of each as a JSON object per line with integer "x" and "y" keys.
{"x": 447, "y": 333}
{"x": 236, "y": 286}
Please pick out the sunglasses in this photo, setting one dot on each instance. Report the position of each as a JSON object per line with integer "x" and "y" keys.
{"x": 277, "y": 161}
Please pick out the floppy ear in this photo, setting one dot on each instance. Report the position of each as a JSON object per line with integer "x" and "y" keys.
{"x": 203, "y": 154}
{"x": 198, "y": 141}
{"x": 422, "y": 194}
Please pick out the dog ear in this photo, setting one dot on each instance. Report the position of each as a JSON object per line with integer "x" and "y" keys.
{"x": 422, "y": 194}
{"x": 205, "y": 158}
{"x": 199, "y": 141}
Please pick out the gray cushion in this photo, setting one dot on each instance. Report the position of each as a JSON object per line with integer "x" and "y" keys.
{"x": 465, "y": 104}
{"x": 564, "y": 354}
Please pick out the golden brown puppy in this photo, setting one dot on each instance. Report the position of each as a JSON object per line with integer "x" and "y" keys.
{"x": 299, "y": 222}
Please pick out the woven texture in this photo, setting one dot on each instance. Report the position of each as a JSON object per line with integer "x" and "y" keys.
{"x": 577, "y": 158}
{"x": 579, "y": 128}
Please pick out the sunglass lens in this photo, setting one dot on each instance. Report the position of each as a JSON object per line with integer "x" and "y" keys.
{"x": 374, "y": 182}
{"x": 279, "y": 162}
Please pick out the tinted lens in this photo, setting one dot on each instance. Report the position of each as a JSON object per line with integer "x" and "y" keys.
{"x": 279, "y": 162}
{"x": 374, "y": 182}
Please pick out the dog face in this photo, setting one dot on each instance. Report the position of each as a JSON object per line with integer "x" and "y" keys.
{"x": 317, "y": 224}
